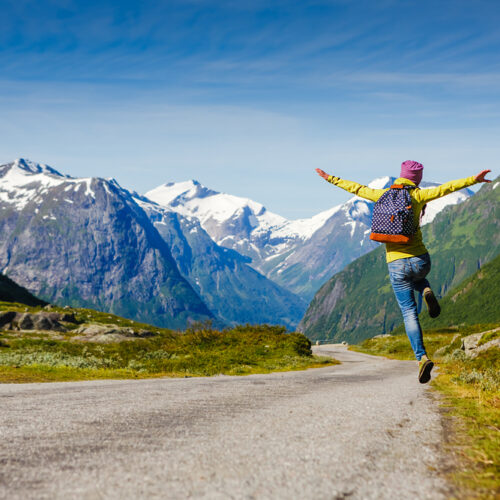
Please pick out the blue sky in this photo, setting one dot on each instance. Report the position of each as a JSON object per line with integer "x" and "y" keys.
{"x": 249, "y": 97}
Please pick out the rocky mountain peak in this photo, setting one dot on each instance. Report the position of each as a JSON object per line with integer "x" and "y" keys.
{"x": 85, "y": 241}
{"x": 179, "y": 193}
{"x": 26, "y": 166}
{"x": 220, "y": 214}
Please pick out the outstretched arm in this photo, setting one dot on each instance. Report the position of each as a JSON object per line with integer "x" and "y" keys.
{"x": 428, "y": 194}
{"x": 353, "y": 187}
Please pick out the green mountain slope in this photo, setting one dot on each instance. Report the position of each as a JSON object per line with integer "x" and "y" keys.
{"x": 359, "y": 303}
{"x": 12, "y": 292}
{"x": 475, "y": 300}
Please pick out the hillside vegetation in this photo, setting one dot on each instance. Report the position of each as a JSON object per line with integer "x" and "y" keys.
{"x": 127, "y": 349}
{"x": 359, "y": 303}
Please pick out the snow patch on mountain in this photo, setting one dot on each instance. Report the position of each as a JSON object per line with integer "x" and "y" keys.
{"x": 381, "y": 182}
{"x": 35, "y": 168}
{"x": 211, "y": 208}
{"x": 221, "y": 208}
{"x": 305, "y": 228}
{"x": 24, "y": 181}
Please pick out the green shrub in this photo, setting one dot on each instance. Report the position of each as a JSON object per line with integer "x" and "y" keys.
{"x": 202, "y": 350}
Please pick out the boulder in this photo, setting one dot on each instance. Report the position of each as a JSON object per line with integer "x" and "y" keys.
{"x": 24, "y": 321}
{"x": 98, "y": 329}
{"x": 12, "y": 320}
{"x": 470, "y": 342}
{"x": 41, "y": 322}
{"x": 107, "y": 338}
{"x": 68, "y": 317}
{"x": 488, "y": 345}
{"x": 471, "y": 347}
{"x": 102, "y": 333}
{"x": 46, "y": 322}
{"x": 55, "y": 316}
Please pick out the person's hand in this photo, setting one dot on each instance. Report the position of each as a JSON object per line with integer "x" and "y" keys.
{"x": 480, "y": 177}
{"x": 322, "y": 174}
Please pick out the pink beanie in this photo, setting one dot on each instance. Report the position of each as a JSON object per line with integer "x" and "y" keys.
{"x": 412, "y": 170}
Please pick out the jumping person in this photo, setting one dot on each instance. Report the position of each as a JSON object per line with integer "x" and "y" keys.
{"x": 409, "y": 263}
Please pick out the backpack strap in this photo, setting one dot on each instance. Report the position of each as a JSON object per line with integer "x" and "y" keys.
{"x": 402, "y": 186}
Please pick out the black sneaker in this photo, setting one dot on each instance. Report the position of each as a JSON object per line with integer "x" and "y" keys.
{"x": 431, "y": 302}
{"x": 425, "y": 366}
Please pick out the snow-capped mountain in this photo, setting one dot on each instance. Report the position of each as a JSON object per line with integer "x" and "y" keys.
{"x": 85, "y": 242}
{"x": 23, "y": 181}
{"x": 78, "y": 241}
{"x": 231, "y": 221}
{"x": 232, "y": 289}
{"x": 237, "y": 223}
{"x": 298, "y": 254}
{"x": 90, "y": 242}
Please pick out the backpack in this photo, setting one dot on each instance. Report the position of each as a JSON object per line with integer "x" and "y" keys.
{"x": 392, "y": 219}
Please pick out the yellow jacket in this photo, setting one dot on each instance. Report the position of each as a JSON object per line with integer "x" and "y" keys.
{"x": 420, "y": 197}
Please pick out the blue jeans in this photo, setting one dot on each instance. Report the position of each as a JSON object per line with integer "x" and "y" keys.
{"x": 408, "y": 275}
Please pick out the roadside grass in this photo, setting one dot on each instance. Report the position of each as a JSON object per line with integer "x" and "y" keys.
{"x": 45, "y": 373}
{"x": 471, "y": 393}
{"x": 471, "y": 390}
{"x": 398, "y": 346}
{"x": 200, "y": 351}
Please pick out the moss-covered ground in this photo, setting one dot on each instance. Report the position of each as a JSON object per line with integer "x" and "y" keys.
{"x": 471, "y": 402}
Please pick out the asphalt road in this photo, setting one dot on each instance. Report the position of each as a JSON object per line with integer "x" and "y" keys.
{"x": 364, "y": 429}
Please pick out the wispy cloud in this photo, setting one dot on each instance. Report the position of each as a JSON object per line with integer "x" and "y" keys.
{"x": 224, "y": 90}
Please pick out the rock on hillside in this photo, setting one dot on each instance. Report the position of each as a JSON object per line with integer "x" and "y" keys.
{"x": 47, "y": 321}
{"x": 474, "y": 344}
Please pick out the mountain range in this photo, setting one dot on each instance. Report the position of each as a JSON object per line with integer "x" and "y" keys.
{"x": 85, "y": 242}
{"x": 180, "y": 253}
{"x": 91, "y": 243}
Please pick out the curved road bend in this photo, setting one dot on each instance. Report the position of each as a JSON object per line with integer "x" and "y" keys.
{"x": 364, "y": 429}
